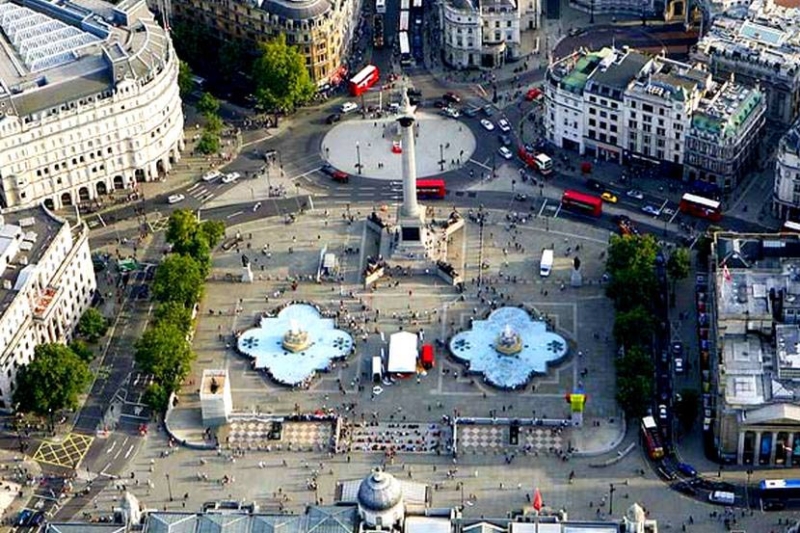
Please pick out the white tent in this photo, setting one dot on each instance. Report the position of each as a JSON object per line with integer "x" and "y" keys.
{"x": 402, "y": 353}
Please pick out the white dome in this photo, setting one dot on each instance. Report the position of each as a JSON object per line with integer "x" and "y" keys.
{"x": 379, "y": 492}
{"x": 635, "y": 514}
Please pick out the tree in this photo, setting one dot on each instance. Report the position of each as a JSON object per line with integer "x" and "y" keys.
{"x": 181, "y": 228}
{"x": 213, "y": 231}
{"x": 233, "y": 59}
{"x": 164, "y": 352}
{"x": 634, "y": 327}
{"x": 178, "y": 279}
{"x": 634, "y": 372}
{"x": 281, "y": 78}
{"x": 82, "y": 350}
{"x": 213, "y": 125}
{"x": 208, "y": 143}
{"x": 678, "y": 264}
{"x": 92, "y": 325}
{"x": 157, "y": 397}
{"x": 174, "y": 313}
{"x": 52, "y": 381}
{"x": 631, "y": 263}
{"x": 208, "y": 105}
{"x": 185, "y": 79}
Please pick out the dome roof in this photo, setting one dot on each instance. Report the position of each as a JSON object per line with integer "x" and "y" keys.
{"x": 379, "y": 492}
{"x": 635, "y": 513}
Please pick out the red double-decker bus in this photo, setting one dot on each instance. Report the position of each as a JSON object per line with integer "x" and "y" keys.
{"x": 652, "y": 441}
{"x": 366, "y": 78}
{"x": 582, "y": 203}
{"x": 432, "y": 189}
{"x": 700, "y": 207}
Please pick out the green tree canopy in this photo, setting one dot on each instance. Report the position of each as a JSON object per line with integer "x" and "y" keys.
{"x": 92, "y": 325}
{"x": 634, "y": 381}
{"x": 189, "y": 237}
{"x": 678, "y": 264}
{"x": 208, "y": 105}
{"x": 634, "y": 327}
{"x": 178, "y": 279}
{"x": 233, "y": 58}
{"x": 52, "y": 381}
{"x": 631, "y": 263}
{"x": 174, "y": 313}
{"x": 82, "y": 350}
{"x": 181, "y": 228}
{"x": 281, "y": 78}
{"x": 208, "y": 143}
{"x": 164, "y": 352}
{"x": 185, "y": 79}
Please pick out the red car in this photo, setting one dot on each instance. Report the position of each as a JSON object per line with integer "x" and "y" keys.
{"x": 533, "y": 94}
{"x": 336, "y": 175}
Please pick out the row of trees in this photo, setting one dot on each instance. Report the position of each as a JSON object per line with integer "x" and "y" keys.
{"x": 164, "y": 351}
{"x": 58, "y": 374}
{"x": 274, "y": 72}
{"x": 635, "y": 289}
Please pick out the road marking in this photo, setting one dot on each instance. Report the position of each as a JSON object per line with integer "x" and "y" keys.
{"x": 304, "y": 174}
{"x": 193, "y": 187}
{"x": 544, "y": 204}
{"x": 237, "y": 213}
{"x": 558, "y": 210}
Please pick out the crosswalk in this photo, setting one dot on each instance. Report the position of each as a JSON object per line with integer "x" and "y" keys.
{"x": 200, "y": 192}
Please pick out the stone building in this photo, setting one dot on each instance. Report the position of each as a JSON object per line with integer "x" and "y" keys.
{"x": 786, "y": 187}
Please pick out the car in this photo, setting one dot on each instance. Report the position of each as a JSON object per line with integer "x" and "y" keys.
{"x": 470, "y": 112}
{"x": 175, "y": 198}
{"x": 662, "y": 412}
{"x": 211, "y": 175}
{"x": 684, "y": 488}
{"x": 650, "y": 210}
{"x": 505, "y": 140}
{"x": 348, "y": 107}
{"x": 333, "y": 118}
{"x": 668, "y": 211}
{"x": 686, "y": 469}
{"x": 609, "y": 197}
{"x": 487, "y": 110}
{"x": 504, "y": 125}
{"x": 451, "y": 97}
{"x": 451, "y": 112}
{"x": 231, "y": 177}
{"x": 633, "y": 193}
{"x": 335, "y": 174}
{"x": 533, "y": 94}
{"x": 505, "y": 153}
{"x": 679, "y": 369}
{"x": 487, "y": 124}
{"x": 440, "y": 104}
{"x": 595, "y": 185}
{"x": 520, "y": 197}
{"x": 416, "y": 93}
{"x": 621, "y": 219}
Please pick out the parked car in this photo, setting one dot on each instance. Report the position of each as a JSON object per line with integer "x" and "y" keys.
{"x": 505, "y": 140}
{"x": 451, "y": 97}
{"x": 505, "y": 153}
{"x": 504, "y": 125}
{"x": 677, "y": 356}
{"x": 333, "y": 118}
{"x": 609, "y": 197}
{"x": 231, "y": 177}
{"x": 668, "y": 211}
{"x": 175, "y": 198}
{"x": 520, "y": 197}
{"x": 633, "y": 193}
{"x": 662, "y": 412}
{"x": 487, "y": 124}
{"x": 211, "y": 175}
{"x": 650, "y": 210}
{"x": 451, "y": 112}
{"x": 686, "y": 469}
{"x": 348, "y": 107}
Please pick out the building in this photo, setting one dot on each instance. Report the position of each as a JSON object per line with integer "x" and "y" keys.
{"x": 761, "y": 50}
{"x": 46, "y": 283}
{"x": 378, "y": 503}
{"x": 630, "y": 108}
{"x": 786, "y": 187}
{"x": 754, "y": 340}
{"x": 89, "y": 101}
{"x": 640, "y": 8}
{"x": 722, "y": 143}
{"x": 485, "y": 34}
{"x": 322, "y": 30}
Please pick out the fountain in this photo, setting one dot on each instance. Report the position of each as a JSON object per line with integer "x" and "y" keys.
{"x": 509, "y": 342}
{"x": 295, "y": 340}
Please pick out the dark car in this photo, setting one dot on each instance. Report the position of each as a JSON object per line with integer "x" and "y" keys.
{"x": 701, "y": 483}
{"x": 415, "y": 93}
{"x": 451, "y": 97}
{"x": 686, "y": 469}
{"x": 505, "y": 140}
{"x": 595, "y": 185}
{"x": 685, "y": 488}
{"x": 336, "y": 175}
{"x": 333, "y": 118}
{"x": 440, "y": 104}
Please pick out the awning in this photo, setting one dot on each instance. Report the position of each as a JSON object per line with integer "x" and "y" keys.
{"x": 402, "y": 353}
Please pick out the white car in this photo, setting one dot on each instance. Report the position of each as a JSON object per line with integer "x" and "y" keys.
{"x": 175, "y": 198}
{"x": 650, "y": 210}
{"x": 231, "y": 177}
{"x": 504, "y": 125}
{"x": 505, "y": 153}
{"x": 451, "y": 112}
{"x": 633, "y": 193}
{"x": 667, "y": 211}
{"x": 347, "y": 107}
{"x": 487, "y": 124}
{"x": 211, "y": 175}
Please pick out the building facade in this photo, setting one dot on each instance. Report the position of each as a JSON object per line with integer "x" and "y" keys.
{"x": 485, "y": 34}
{"x": 723, "y": 139}
{"x": 89, "y": 105}
{"x": 786, "y": 187}
{"x": 642, "y": 8}
{"x": 322, "y": 30}
{"x": 47, "y": 281}
{"x": 754, "y": 343}
{"x": 627, "y": 107}
{"x": 763, "y": 50}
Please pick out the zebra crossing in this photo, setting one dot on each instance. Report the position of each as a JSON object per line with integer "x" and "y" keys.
{"x": 200, "y": 192}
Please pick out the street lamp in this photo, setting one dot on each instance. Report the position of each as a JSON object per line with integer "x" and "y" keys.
{"x": 611, "y": 490}
{"x": 358, "y": 157}
{"x": 747, "y": 487}
{"x": 441, "y": 157}
{"x": 169, "y": 487}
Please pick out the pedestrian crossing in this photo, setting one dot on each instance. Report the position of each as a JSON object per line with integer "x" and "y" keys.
{"x": 200, "y": 192}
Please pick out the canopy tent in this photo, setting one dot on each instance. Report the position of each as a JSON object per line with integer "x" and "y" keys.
{"x": 402, "y": 353}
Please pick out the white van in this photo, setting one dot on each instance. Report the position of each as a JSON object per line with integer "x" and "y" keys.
{"x": 211, "y": 175}
{"x": 722, "y": 497}
{"x": 377, "y": 369}
{"x": 546, "y": 264}
{"x": 347, "y": 107}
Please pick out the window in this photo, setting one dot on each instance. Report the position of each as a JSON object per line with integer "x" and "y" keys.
{"x": 592, "y": 122}
{"x": 591, "y": 134}
{"x": 632, "y": 124}
{"x": 612, "y": 140}
{"x": 603, "y": 114}
{"x": 647, "y": 108}
{"x": 613, "y": 128}
{"x": 592, "y": 111}
{"x": 661, "y": 131}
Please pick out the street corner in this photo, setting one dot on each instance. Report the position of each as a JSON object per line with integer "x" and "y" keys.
{"x": 67, "y": 453}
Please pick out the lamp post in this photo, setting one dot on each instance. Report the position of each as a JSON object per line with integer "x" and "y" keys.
{"x": 169, "y": 487}
{"x": 441, "y": 157}
{"x": 358, "y": 157}
{"x": 747, "y": 487}
{"x": 611, "y": 490}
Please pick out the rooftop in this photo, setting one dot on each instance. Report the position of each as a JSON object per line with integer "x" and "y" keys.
{"x": 616, "y": 71}
{"x": 293, "y": 9}
{"x": 573, "y": 71}
{"x": 58, "y": 51}
{"x": 725, "y": 109}
{"x": 38, "y": 230}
